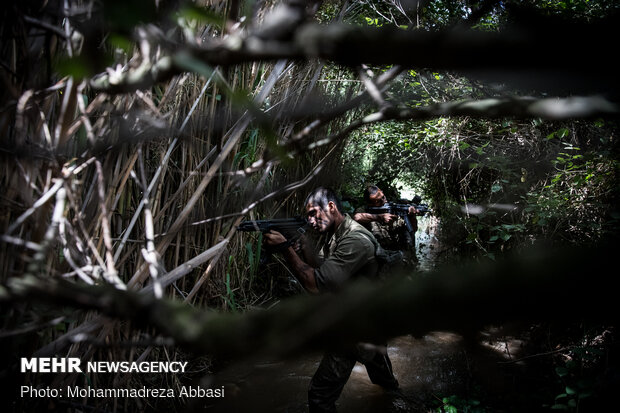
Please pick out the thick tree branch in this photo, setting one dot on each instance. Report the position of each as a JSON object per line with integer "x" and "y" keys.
{"x": 540, "y": 285}
{"x": 543, "y": 48}
{"x": 527, "y": 107}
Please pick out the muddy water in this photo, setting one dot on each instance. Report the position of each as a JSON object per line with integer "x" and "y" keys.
{"x": 424, "y": 366}
{"x": 427, "y": 368}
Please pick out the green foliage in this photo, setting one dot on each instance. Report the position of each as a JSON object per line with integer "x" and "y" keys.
{"x": 378, "y": 13}
{"x": 230, "y": 295}
{"x": 254, "y": 257}
{"x": 458, "y": 404}
{"x": 380, "y": 155}
{"x": 79, "y": 67}
{"x": 444, "y": 13}
{"x": 122, "y": 16}
{"x": 121, "y": 43}
{"x": 582, "y": 9}
{"x": 248, "y": 152}
{"x": 578, "y": 377}
{"x": 190, "y": 16}
{"x": 577, "y": 199}
{"x": 532, "y": 180}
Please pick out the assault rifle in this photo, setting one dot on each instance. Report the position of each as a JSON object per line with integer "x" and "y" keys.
{"x": 401, "y": 210}
{"x": 291, "y": 228}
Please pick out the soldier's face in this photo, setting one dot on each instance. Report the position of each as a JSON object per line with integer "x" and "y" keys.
{"x": 319, "y": 219}
{"x": 378, "y": 199}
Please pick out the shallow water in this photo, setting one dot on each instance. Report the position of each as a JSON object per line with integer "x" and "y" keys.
{"x": 428, "y": 248}
{"x": 428, "y": 367}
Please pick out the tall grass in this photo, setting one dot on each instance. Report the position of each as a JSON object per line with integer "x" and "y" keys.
{"x": 127, "y": 189}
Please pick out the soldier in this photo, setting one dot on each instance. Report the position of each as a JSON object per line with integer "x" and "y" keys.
{"x": 347, "y": 252}
{"x": 389, "y": 229}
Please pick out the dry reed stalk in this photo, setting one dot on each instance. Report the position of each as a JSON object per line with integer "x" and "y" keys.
{"x": 40, "y": 202}
{"x": 96, "y": 202}
{"x": 94, "y": 324}
{"x": 149, "y": 254}
{"x": 111, "y": 274}
{"x": 233, "y": 137}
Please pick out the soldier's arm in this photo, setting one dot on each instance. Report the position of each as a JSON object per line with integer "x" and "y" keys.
{"x": 364, "y": 218}
{"x": 307, "y": 251}
{"x": 301, "y": 270}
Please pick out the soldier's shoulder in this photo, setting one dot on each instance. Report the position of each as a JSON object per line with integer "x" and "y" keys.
{"x": 358, "y": 231}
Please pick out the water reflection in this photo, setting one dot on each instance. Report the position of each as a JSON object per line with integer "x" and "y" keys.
{"x": 427, "y": 243}
{"x": 428, "y": 365}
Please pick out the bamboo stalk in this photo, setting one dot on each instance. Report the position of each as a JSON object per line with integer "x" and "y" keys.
{"x": 111, "y": 274}
{"x": 40, "y": 202}
{"x": 234, "y": 136}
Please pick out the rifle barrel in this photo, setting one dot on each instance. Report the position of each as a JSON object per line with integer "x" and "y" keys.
{"x": 264, "y": 225}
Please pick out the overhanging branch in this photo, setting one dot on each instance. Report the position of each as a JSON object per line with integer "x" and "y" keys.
{"x": 528, "y": 50}
{"x": 579, "y": 107}
{"x": 533, "y": 286}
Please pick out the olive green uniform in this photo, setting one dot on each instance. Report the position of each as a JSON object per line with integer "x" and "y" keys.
{"x": 394, "y": 236}
{"x": 348, "y": 254}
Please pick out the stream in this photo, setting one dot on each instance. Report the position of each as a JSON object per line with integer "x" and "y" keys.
{"x": 428, "y": 368}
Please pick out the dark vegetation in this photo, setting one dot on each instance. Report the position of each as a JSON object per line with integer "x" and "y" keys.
{"x": 137, "y": 135}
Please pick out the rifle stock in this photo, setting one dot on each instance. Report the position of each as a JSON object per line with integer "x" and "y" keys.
{"x": 291, "y": 228}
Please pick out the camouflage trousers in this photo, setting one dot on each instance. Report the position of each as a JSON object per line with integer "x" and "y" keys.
{"x": 335, "y": 369}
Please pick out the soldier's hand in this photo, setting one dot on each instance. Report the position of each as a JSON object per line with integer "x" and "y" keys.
{"x": 299, "y": 244}
{"x": 412, "y": 211}
{"x": 387, "y": 218}
{"x": 273, "y": 238}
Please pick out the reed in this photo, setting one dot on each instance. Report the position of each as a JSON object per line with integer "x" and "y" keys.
{"x": 144, "y": 190}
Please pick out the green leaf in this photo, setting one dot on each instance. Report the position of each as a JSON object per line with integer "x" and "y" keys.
{"x": 78, "y": 67}
{"x": 120, "y": 41}
{"x": 579, "y": 351}
{"x": 189, "y": 63}
{"x": 191, "y": 12}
